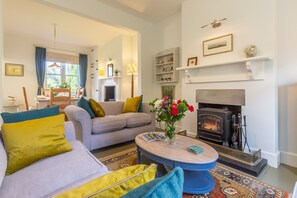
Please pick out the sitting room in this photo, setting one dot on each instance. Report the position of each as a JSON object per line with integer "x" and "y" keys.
{"x": 183, "y": 98}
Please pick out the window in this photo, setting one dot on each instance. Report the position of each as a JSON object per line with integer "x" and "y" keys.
{"x": 68, "y": 73}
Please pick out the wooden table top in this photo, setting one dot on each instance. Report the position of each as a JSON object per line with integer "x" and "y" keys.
{"x": 178, "y": 151}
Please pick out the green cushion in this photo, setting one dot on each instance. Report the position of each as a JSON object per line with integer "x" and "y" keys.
{"x": 97, "y": 109}
{"x": 140, "y": 104}
{"x": 171, "y": 185}
{"x": 29, "y": 141}
{"x": 29, "y": 115}
{"x": 83, "y": 103}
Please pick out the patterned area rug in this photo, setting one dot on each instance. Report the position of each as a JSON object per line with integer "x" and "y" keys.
{"x": 229, "y": 183}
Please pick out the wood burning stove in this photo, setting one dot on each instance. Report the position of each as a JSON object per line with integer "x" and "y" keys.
{"x": 215, "y": 125}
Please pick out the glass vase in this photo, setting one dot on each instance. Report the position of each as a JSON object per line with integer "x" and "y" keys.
{"x": 169, "y": 132}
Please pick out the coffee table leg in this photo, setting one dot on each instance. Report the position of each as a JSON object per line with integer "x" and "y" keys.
{"x": 198, "y": 182}
{"x": 138, "y": 155}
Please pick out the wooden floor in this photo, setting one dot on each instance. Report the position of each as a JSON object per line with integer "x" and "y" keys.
{"x": 283, "y": 177}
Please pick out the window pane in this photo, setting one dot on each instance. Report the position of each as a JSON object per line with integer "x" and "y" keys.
{"x": 51, "y": 70}
{"x": 71, "y": 69}
{"x": 73, "y": 82}
{"x": 53, "y": 80}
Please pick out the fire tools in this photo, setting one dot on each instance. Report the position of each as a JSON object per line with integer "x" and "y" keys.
{"x": 239, "y": 133}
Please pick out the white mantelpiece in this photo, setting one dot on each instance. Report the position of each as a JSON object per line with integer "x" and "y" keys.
{"x": 253, "y": 70}
{"x": 109, "y": 81}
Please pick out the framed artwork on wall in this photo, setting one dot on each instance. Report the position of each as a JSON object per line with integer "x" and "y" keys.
{"x": 192, "y": 61}
{"x": 109, "y": 70}
{"x": 168, "y": 91}
{"x": 218, "y": 45}
{"x": 12, "y": 69}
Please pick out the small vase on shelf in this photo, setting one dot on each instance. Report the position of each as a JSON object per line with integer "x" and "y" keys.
{"x": 169, "y": 132}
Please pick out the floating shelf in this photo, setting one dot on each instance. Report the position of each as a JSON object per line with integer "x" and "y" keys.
{"x": 254, "y": 68}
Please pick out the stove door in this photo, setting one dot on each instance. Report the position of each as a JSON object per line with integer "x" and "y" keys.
{"x": 210, "y": 123}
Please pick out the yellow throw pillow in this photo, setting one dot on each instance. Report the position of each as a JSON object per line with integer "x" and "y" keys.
{"x": 29, "y": 141}
{"x": 114, "y": 184}
{"x": 132, "y": 104}
{"x": 97, "y": 109}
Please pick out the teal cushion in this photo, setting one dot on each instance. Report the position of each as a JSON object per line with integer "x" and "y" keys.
{"x": 83, "y": 103}
{"x": 140, "y": 105}
{"x": 29, "y": 115}
{"x": 171, "y": 185}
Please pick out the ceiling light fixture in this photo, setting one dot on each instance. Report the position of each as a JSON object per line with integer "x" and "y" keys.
{"x": 215, "y": 23}
{"x": 54, "y": 65}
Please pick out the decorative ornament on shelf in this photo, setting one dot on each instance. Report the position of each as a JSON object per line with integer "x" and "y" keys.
{"x": 250, "y": 51}
{"x": 11, "y": 100}
{"x": 170, "y": 111}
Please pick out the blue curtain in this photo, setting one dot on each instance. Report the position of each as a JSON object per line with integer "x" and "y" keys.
{"x": 83, "y": 68}
{"x": 40, "y": 62}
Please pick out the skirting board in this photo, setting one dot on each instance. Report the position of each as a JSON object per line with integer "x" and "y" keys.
{"x": 288, "y": 158}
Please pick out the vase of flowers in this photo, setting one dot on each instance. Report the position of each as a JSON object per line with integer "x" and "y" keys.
{"x": 170, "y": 111}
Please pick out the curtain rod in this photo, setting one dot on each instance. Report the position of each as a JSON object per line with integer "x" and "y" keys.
{"x": 50, "y": 48}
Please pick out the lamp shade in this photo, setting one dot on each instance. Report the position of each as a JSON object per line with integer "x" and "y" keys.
{"x": 131, "y": 69}
{"x": 54, "y": 66}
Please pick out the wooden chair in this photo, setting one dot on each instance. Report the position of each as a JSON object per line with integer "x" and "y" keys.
{"x": 60, "y": 97}
{"x": 80, "y": 92}
{"x": 45, "y": 91}
{"x": 26, "y": 101}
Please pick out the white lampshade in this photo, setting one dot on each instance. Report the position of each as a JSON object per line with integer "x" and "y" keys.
{"x": 131, "y": 69}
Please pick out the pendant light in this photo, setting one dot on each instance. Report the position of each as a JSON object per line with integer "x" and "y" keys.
{"x": 55, "y": 65}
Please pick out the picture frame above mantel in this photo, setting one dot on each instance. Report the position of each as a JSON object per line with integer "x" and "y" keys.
{"x": 218, "y": 45}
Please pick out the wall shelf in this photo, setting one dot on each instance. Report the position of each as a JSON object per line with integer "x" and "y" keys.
{"x": 254, "y": 67}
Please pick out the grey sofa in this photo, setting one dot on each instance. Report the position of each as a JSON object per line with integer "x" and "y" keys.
{"x": 52, "y": 175}
{"x": 116, "y": 127}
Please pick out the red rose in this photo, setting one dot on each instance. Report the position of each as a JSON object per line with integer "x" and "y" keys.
{"x": 174, "y": 112}
{"x": 174, "y": 106}
{"x": 166, "y": 97}
{"x": 179, "y": 101}
{"x": 191, "y": 108}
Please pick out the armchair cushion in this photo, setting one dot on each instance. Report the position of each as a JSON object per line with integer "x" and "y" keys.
{"x": 29, "y": 141}
{"x": 83, "y": 103}
{"x": 29, "y": 115}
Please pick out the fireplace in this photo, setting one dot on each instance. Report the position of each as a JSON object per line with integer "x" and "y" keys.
{"x": 109, "y": 93}
{"x": 217, "y": 115}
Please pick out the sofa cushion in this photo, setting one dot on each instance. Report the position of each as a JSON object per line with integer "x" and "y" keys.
{"x": 132, "y": 104}
{"x": 29, "y": 115}
{"x": 29, "y": 141}
{"x": 97, "y": 109}
{"x": 83, "y": 103}
{"x": 51, "y": 174}
{"x": 114, "y": 184}
{"x": 108, "y": 123}
{"x": 136, "y": 119}
{"x": 170, "y": 185}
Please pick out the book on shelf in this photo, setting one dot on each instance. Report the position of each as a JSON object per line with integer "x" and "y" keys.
{"x": 151, "y": 137}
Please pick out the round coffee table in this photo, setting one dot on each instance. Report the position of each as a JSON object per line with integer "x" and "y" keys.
{"x": 197, "y": 179}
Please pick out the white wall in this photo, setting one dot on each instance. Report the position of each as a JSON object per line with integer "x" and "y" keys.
{"x": 21, "y": 50}
{"x": 250, "y": 22}
{"x": 287, "y": 81}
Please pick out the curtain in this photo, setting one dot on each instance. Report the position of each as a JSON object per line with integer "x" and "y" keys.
{"x": 40, "y": 63}
{"x": 83, "y": 68}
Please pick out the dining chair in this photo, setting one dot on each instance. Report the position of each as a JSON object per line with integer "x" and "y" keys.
{"x": 80, "y": 92}
{"x": 26, "y": 101}
{"x": 45, "y": 91}
{"x": 60, "y": 97}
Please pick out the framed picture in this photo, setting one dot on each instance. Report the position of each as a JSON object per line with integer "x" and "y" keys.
{"x": 109, "y": 70}
{"x": 12, "y": 69}
{"x": 192, "y": 61}
{"x": 218, "y": 45}
{"x": 168, "y": 91}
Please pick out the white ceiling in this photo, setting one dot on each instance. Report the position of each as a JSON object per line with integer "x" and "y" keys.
{"x": 32, "y": 19}
{"x": 150, "y": 10}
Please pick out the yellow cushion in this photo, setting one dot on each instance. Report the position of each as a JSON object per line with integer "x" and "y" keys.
{"x": 29, "y": 141}
{"x": 132, "y": 104}
{"x": 114, "y": 184}
{"x": 97, "y": 109}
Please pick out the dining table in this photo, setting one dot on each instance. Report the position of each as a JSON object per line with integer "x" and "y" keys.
{"x": 44, "y": 101}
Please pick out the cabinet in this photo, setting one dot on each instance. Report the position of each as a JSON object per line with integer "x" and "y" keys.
{"x": 94, "y": 73}
{"x": 165, "y": 65}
